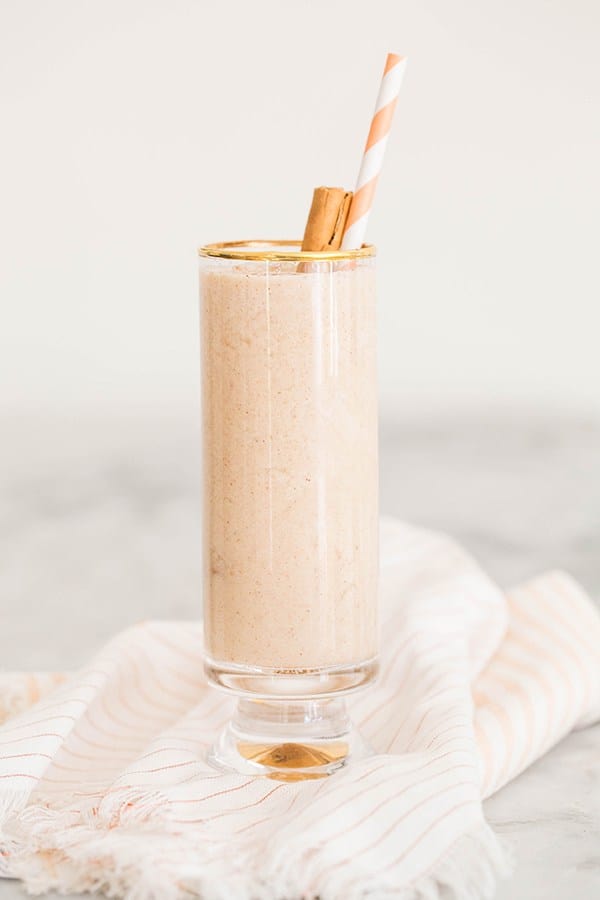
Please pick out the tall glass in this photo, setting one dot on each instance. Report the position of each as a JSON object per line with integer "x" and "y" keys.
{"x": 289, "y": 412}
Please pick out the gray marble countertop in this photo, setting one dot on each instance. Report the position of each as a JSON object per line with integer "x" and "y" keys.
{"x": 100, "y": 520}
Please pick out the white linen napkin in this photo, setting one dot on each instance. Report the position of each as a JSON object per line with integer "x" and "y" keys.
{"x": 104, "y": 784}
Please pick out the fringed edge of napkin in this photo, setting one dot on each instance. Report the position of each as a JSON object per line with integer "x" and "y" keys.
{"x": 468, "y": 870}
{"x": 144, "y": 857}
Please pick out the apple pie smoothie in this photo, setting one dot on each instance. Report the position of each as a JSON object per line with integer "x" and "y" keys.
{"x": 289, "y": 404}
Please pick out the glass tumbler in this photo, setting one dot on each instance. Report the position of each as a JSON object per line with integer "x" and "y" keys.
{"x": 290, "y": 508}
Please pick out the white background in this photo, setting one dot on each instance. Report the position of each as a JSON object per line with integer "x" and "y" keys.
{"x": 133, "y": 131}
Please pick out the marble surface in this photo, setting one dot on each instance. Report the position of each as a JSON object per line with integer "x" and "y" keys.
{"x": 99, "y": 527}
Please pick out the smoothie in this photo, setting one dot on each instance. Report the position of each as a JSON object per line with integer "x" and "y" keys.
{"x": 290, "y": 463}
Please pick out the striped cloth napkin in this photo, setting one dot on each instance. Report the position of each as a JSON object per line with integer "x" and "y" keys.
{"x": 104, "y": 784}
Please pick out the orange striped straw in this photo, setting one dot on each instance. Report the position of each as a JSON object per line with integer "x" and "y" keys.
{"x": 372, "y": 160}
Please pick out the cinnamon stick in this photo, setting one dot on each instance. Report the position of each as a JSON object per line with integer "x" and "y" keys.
{"x": 326, "y": 219}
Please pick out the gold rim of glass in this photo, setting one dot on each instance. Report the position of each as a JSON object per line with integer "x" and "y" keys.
{"x": 279, "y": 250}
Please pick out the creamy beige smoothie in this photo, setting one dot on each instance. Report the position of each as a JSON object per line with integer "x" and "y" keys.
{"x": 290, "y": 462}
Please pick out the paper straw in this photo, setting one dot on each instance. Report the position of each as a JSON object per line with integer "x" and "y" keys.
{"x": 372, "y": 160}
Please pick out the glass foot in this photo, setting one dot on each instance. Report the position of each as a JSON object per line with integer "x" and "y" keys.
{"x": 288, "y": 740}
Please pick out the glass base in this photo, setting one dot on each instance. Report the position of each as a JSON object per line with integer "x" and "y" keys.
{"x": 290, "y": 684}
{"x": 288, "y": 740}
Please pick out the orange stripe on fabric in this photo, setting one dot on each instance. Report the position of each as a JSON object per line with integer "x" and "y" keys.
{"x": 346, "y": 830}
{"x": 485, "y": 749}
{"x": 521, "y": 695}
{"x": 253, "y": 825}
{"x": 541, "y": 629}
{"x": 546, "y": 687}
{"x": 390, "y": 668}
{"x": 129, "y": 749}
{"x": 238, "y": 787}
{"x": 41, "y": 722}
{"x": 424, "y": 833}
{"x": 19, "y": 775}
{"x": 32, "y": 737}
{"x": 194, "y": 658}
{"x": 23, "y": 755}
{"x": 450, "y": 717}
{"x": 179, "y": 765}
{"x": 429, "y": 697}
{"x": 368, "y": 847}
{"x": 229, "y": 812}
{"x": 372, "y": 787}
{"x": 386, "y": 800}
{"x": 405, "y": 675}
{"x": 334, "y": 791}
{"x": 500, "y": 714}
{"x": 99, "y": 766}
